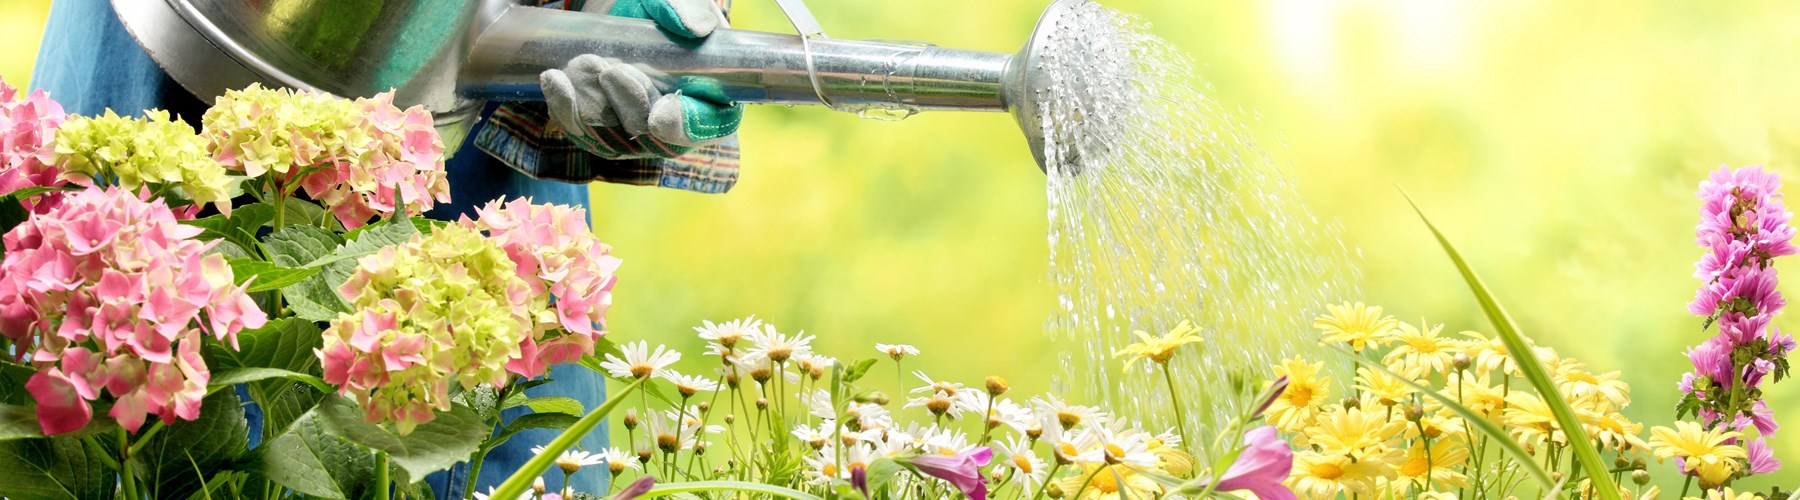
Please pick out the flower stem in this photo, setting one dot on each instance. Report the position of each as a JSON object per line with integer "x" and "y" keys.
{"x": 127, "y": 477}
{"x": 1047, "y": 478}
{"x": 382, "y": 486}
{"x": 1175, "y": 401}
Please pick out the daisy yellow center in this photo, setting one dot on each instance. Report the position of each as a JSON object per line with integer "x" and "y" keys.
{"x": 641, "y": 370}
{"x": 1325, "y": 470}
{"x": 1022, "y": 463}
{"x": 1299, "y": 395}
{"x": 1067, "y": 419}
{"x": 828, "y": 470}
{"x": 1424, "y": 345}
{"x": 946, "y": 452}
{"x": 1067, "y": 449}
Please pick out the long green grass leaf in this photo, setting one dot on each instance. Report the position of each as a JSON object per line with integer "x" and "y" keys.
{"x": 1579, "y": 442}
{"x": 1507, "y": 444}
{"x": 662, "y": 489}
{"x": 535, "y": 467}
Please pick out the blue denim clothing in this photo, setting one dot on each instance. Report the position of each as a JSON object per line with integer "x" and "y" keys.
{"x": 88, "y": 62}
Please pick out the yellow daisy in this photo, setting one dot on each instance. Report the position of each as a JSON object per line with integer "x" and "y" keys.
{"x": 1306, "y": 390}
{"x": 1727, "y": 494}
{"x": 1613, "y": 430}
{"x": 1106, "y": 484}
{"x": 1160, "y": 349}
{"x": 1386, "y": 389}
{"x": 1476, "y": 393}
{"x": 1704, "y": 451}
{"x": 1420, "y": 351}
{"x": 1529, "y": 420}
{"x": 1356, "y": 324}
{"x": 1603, "y": 392}
{"x": 1316, "y": 475}
{"x": 1439, "y": 465}
{"x": 1354, "y": 432}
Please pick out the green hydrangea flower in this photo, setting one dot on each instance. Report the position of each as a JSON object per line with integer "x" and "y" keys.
{"x": 156, "y": 151}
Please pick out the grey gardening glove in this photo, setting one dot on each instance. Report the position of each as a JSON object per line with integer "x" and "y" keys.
{"x": 615, "y": 110}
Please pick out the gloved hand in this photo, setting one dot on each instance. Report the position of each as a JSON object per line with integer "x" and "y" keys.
{"x": 617, "y": 111}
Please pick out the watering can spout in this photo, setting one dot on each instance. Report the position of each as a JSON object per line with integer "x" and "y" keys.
{"x": 452, "y": 56}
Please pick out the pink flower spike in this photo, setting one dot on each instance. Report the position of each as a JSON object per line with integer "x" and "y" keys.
{"x": 1764, "y": 418}
{"x": 1264, "y": 464}
{"x": 962, "y": 470}
{"x": 1762, "y": 458}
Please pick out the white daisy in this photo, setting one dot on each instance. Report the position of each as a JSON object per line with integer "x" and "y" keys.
{"x": 572, "y": 460}
{"x": 779, "y": 347}
{"x": 728, "y": 333}
{"x": 897, "y": 351}
{"x": 688, "y": 385}
{"x": 868, "y": 416}
{"x": 816, "y": 437}
{"x": 938, "y": 404}
{"x": 946, "y": 388}
{"x": 617, "y": 460}
{"x": 639, "y": 362}
{"x": 1124, "y": 444}
{"x": 490, "y": 494}
{"x": 1067, "y": 415}
{"x": 1017, "y": 454}
{"x": 1003, "y": 412}
{"x": 818, "y": 403}
{"x": 813, "y": 365}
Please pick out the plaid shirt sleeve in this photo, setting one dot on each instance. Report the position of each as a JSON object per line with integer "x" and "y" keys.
{"x": 522, "y": 135}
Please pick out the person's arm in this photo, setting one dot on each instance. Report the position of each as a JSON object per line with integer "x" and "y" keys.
{"x": 605, "y": 121}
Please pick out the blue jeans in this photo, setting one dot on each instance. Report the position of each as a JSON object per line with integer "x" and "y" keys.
{"x": 89, "y": 63}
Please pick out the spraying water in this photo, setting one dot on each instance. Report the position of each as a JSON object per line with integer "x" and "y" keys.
{"x": 1163, "y": 209}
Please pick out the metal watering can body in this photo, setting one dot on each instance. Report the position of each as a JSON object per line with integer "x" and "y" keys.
{"x": 452, "y": 56}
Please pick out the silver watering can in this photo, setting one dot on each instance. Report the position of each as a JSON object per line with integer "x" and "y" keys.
{"x": 451, "y": 56}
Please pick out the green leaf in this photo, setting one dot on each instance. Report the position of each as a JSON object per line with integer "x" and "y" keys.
{"x": 662, "y": 489}
{"x": 208, "y": 443}
{"x": 520, "y": 479}
{"x": 1579, "y": 441}
{"x": 316, "y": 298}
{"x": 236, "y": 376}
{"x": 299, "y": 211}
{"x": 294, "y": 246}
{"x": 881, "y": 472}
{"x": 432, "y": 446}
{"x": 308, "y": 459}
{"x": 266, "y": 275}
{"x": 12, "y": 214}
{"x": 284, "y": 402}
{"x": 283, "y": 343}
{"x": 858, "y": 370}
{"x": 30, "y": 191}
{"x": 366, "y": 241}
{"x": 59, "y": 467}
{"x": 555, "y": 404}
{"x": 239, "y": 228}
{"x": 12, "y": 382}
{"x": 529, "y": 421}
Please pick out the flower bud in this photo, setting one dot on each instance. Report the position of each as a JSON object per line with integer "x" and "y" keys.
{"x": 1460, "y": 361}
{"x": 762, "y": 403}
{"x": 537, "y": 486}
{"x": 1640, "y": 477}
{"x": 705, "y": 407}
{"x": 700, "y": 448}
{"x": 1351, "y": 403}
{"x": 643, "y": 455}
{"x": 1053, "y": 490}
{"x": 1621, "y": 462}
{"x": 730, "y": 419}
{"x": 631, "y": 420}
{"x": 997, "y": 386}
{"x": 1414, "y": 413}
{"x": 1639, "y": 464}
{"x": 879, "y": 398}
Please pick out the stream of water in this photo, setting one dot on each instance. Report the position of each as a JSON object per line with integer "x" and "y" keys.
{"x": 1162, "y": 209}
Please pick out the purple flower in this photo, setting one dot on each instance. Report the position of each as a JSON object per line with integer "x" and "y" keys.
{"x": 1274, "y": 392}
{"x": 1264, "y": 464}
{"x": 1762, "y": 458}
{"x": 1764, "y": 418}
{"x": 962, "y": 470}
{"x": 636, "y": 489}
{"x": 1712, "y": 359}
{"x": 1740, "y": 329}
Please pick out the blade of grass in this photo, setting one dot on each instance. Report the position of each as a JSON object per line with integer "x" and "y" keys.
{"x": 662, "y": 489}
{"x": 521, "y": 479}
{"x": 1507, "y": 444}
{"x": 1579, "y": 442}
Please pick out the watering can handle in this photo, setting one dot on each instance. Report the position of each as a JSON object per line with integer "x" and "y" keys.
{"x": 808, "y": 27}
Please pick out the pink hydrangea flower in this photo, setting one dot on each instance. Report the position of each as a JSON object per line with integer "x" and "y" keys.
{"x": 359, "y": 158}
{"x": 437, "y": 310}
{"x": 27, "y": 135}
{"x": 105, "y": 294}
{"x": 570, "y": 272}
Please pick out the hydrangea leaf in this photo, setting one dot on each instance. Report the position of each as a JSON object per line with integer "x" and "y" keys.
{"x": 307, "y": 458}
{"x": 315, "y": 298}
{"x": 60, "y": 467}
{"x": 265, "y": 276}
{"x": 555, "y": 404}
{"x": 239, "y": 228}
{"x": 367, "y": 240}
{"x": 299, "y": 211}
{"x": 448, "y": 438}
{"x": 175, "y": 457}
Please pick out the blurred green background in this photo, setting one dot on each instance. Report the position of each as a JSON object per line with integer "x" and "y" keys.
{"x": 1558, "y": 144}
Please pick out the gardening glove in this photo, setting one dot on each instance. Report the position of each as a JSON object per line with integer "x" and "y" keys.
{"x": 615, "y": 110}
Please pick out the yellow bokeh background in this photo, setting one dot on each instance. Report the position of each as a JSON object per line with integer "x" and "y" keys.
{"x": 1557, "y": 143}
